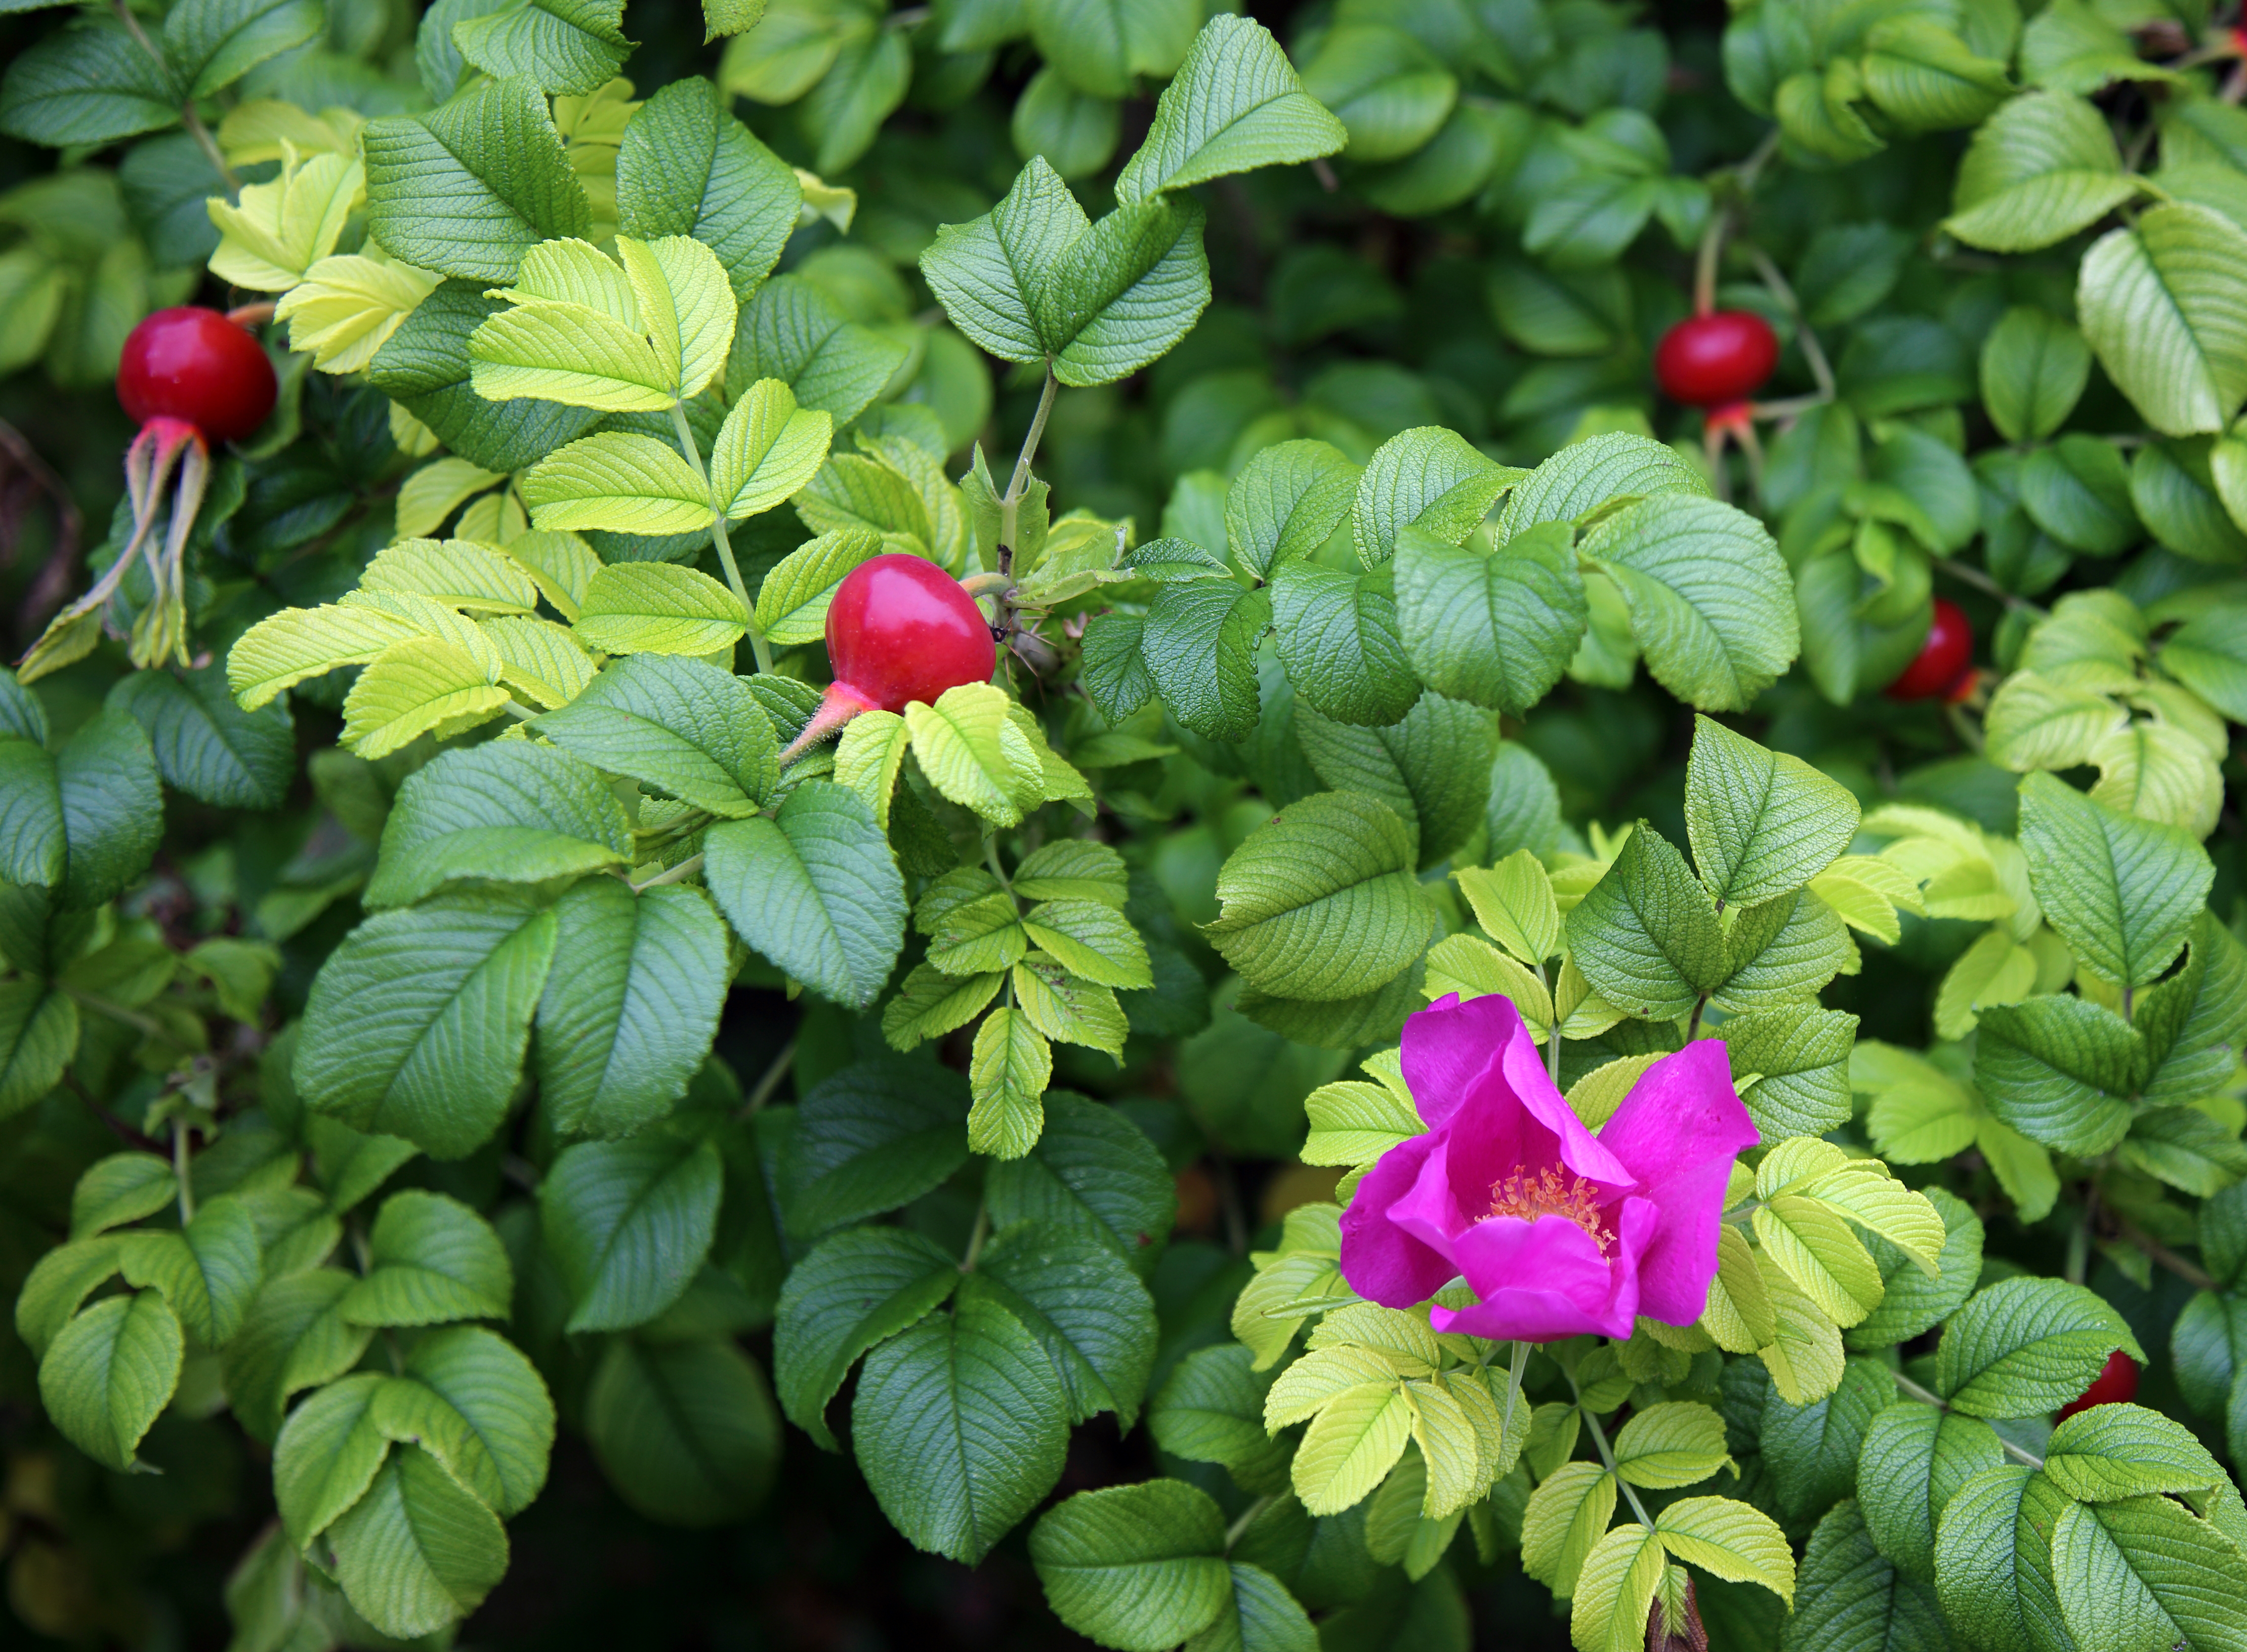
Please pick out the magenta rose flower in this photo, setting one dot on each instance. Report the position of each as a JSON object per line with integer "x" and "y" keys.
{"x": 1557, "y": 1231}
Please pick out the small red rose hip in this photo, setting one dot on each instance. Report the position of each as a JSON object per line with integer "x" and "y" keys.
{"x": 2116, "y": 1384}
{"x": 197, "y": 366}
{"x": 1705, "y": 361}
{"x": 1944, "y": 665}
{"x": 899, "y": 629}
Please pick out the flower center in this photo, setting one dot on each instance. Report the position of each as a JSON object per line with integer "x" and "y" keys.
{"x": 1552, "y": 1192}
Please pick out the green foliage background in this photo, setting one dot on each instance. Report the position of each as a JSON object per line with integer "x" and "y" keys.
{"x": 634, "y": 1188}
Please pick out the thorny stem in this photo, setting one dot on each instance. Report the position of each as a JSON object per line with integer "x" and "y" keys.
{"x": 1812, "y": 354}
{"x": 1607, "y": 1456}
{"x": 2027, "y": 1460}
{"x": 179, "y": 1171}
{"x": 774, "y": 1071}
{"x": 1247, "y": 1518}
{"x": 975, "y": 1240}
{"x": 685, "y": 432}
{"x": 678, "y": 874}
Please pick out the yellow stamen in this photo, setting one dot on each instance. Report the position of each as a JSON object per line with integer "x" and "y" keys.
{"x": 1553, "y": 1193}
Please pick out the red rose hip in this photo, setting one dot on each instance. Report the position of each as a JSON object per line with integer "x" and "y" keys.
{"x": 1944, "y": 665}
{"x": 899, "y": 629}
{"x": 195, "y": 365}
{"x": 2116, "y": 1384}
{"x": 1705, "y": 361}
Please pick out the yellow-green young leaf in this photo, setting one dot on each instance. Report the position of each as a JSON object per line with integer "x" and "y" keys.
{"x": 766, "y": 449}
{"x": 495, "y": 519}
{"x": 1008, "y": 1072}
{"x": 1615, "y": 1590}
{"x": 281, "y": 229}
{"x": 1073, "y": 868}
{"x": 1091, "y": 938}
{"x": 1804, "y": 1356}
{"x": 1513, "y": 902}
{"x": 1792, "y": 1165}
{"x": 255, "y": 128}
{"x": 1069, "y": 1010}
{"x": 348, "y": 304}
{"x": 110, "y": 1371}
{"x": 1269, "y": 1308}
{"x": 1725, "y": 1536}
{"x": 2034, "y": 722}
{"x": 2042, "y": 168}
{"x": 416, "y": 686}
{"x": 1596, "y": 1095}
{"x": 1919, "y": 1114}
{"x": 1351, "y": 1445}
{"x": 660, "y": 608}
{"x": 283, "y": 649}
{"x": 1452, "y": 1447}
{"x": 1994, "y": 970}
{"x": 2158, "y": 771}
{"x": 1353, "y": 1122}
{"x": 619, "y": 481}
{"x": 1057, "y": 779}
{"x": 435, "y": 491}
{"x": 541, "y": 662}
{"x": 1740, "y": 1316}
{"x": 973, "y": 753}
{"x": 792, "y": 603}
{"x": 869, "y": 754}
{"x": 1583, "y": 1012}
{"x": 1671, "y": 1445}
{"x": 2159, "y": 300}
{"x": 457, "y": 572}
{"x": 588, "y": 334}
{"x": 561, "y": 565}
{"x": 1821, "y": 1255}
{"x": 931, "y": 1003}
{"x": 1474, "y": 968}
{"x": 1307, "y": 1386}
{"x": 1865, "y": 892}
{"x": 1565, "y": 1516}
{"x": 1869, "y": 1196}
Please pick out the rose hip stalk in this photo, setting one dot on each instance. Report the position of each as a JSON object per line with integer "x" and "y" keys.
{"x": 899, "y": 630}
{"x": 189, "y": 377}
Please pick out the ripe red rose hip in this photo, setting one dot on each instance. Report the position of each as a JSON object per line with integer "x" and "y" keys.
{"x": 1705, "y": 361}
{"x": 899, "y": 629}
{"x": 1944, "y": 665}
{"x": 196, "y": 365}
{"x": 2116, "y": 1384}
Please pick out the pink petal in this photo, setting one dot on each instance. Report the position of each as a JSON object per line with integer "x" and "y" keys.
{"x": 1447, "y": 1044}
{"x": 1581, "y": 1151}
{"x": 1678, "y": 1130}
{"x": 1381, "y": 1261}
{"x": 1539, "y": 1279}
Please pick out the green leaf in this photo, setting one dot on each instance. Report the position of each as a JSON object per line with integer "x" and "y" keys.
{"x": 1993, "y": 1562}
{"x": 687, "y": 168}
{"x": 1009, "y": 1071}
{"x": 509, "y": 813}
{"x": 418, "y": 684}
{"x": 1338, "y": 639}
{"x": 293, "y": 1338}
{"x": 90, "y": 83}
{"x": 971, "y": 749}
{"x": 1911, "y": 1302}
{"x": 109, "y": 1372}
{"x": 85, "y": 821}
{"x": 2111, "y": 1452}
{"x": 2043, "y": 167}
{"x": 1093, "y": 1172}
{"x": 1800, "y": 1053}
{"x": 207, "y": 745}
{"x": 1711, "y": 603}
{"x": 430, "y": 1259}
{"x": 2122, "y": 892}
{"x": 1565, "y": 1516}
{"x": 426, "y": 368}
{"x": 656, "y": 608}
{"x": 2208, "y": 654}
{"x": 2059, "y": 1070}
{"x": 1588, "y": 478}
{"x": 1646, "y": 935}
{"x": 623, "y": 1029}
{"x": 1391, "y": 93}
{"x": 792, "y": 603}
{"x": 327, "y": 1456}
{"x": 1760, "y": 822}
{"x": 876, "y": 1135}
{"x": 470, "y": 186}
{"x": 768, "y": 448}
{"x": 855, "y": 1291}
{"x": 1198, "y": 650}
{"x": 2174, "y": 491}
{"x": 791, "y": 330}
{"x": 1084, "y": 1306}
{"x": 2166, "y": 324}
{"x": 618, "y": 482}
{"x": 1615, "y": 1590}
{"x": 573, "y": 46}
{"x": 122, "y": 1188}
{"x": 418, "y": 1551}
{"x": 2034, "y": 368}
{"x": 1101, "y": 44}
{"x": 208, "y": 1272}
{"x": 1321, "y": 903}
{"x": 2145, "y": 1573}
{"x": 1235, "y": 104}
{"x": 1725, "y": 1536}
{"x": 816, "y": 889}
{"x": 1138, "y": 1567}
{"x": 212, "y": 43}
{"x": 1287, "y": 499}
{"x": 1427, "y": 477}
{"x": 960, "y": 1427}
{"x": 1926, "y": 79}
{"x": 417, "y": 1023}
{"x": 1432, "y": 767}
{"x": 1914, "y": 1461}
{"x": 684, "y": 1430}
{"x": 38, "y": 1036}
{"x": 679, "y": 724}
{"x": 627, "y": 1224}
{"x": 473, "y": 1400}
{"x": 1670, "y": 1445}
{"x": 1851, "y": 1596}
{"x": 1455, "y": 604}
{"x": 2078, "y": 491}
{"x": 2027, "y": 1345}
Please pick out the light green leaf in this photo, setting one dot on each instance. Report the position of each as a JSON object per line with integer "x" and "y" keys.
{"x": 1728, "y": 1538}
{"x": 430, "y": 1259}
{"x": 2122, "y": 892}
{"x": 768, "y": 448}
{"x": 1427, "y": 477}
{"x": 480, "y": 1407}
{"x": 2167, "y": 323}
{"x": 660, "y": 608}
{"x": 416, "y": 684}
{"x": 2111, "y": 1452}
{"x": 2043, "y": 167}
{"x": 2034, "y": 368}
{"x": 1235, "y": 104}
{"x": 2145, "y": 1573}
{"x": 208, "y": 1272}
{"x": 109, "y": 1373}
{"x": 1009, "y": 1069}
{"x": 972, "y": 752}
{"x": 573, "y": 46}
{"x": 418, "y": 1551}
{"x": 623, "y": 482}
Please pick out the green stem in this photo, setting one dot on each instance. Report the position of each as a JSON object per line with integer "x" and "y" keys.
{"x": 775, "y": 1071}
{"x": 975, "y": 1240}
{"x": 991, "y": 859}
{"x": 1966, "y": 574}
{"x": 194, "y": 121}
{"x": 179, "y": 1171}
{"x": 2027, "y": 1460}
{"x": 1693, "y": 1026}
{"x": 678, "y": 874}
{"x": 1552, "y": 1033}
{"x": 1247, "y": 1518}
{"x": 1513, "y": 1381}
{"x": 2196, "y": 1277}
{"x": 147, "y": 1025}
{"x": 1814, "y": 355}
{"x": 724, "y": 546}
{"x": 1607, "y": 1456}
{"x": 1010, "y": 502}
{"x": 520, "y": 712}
